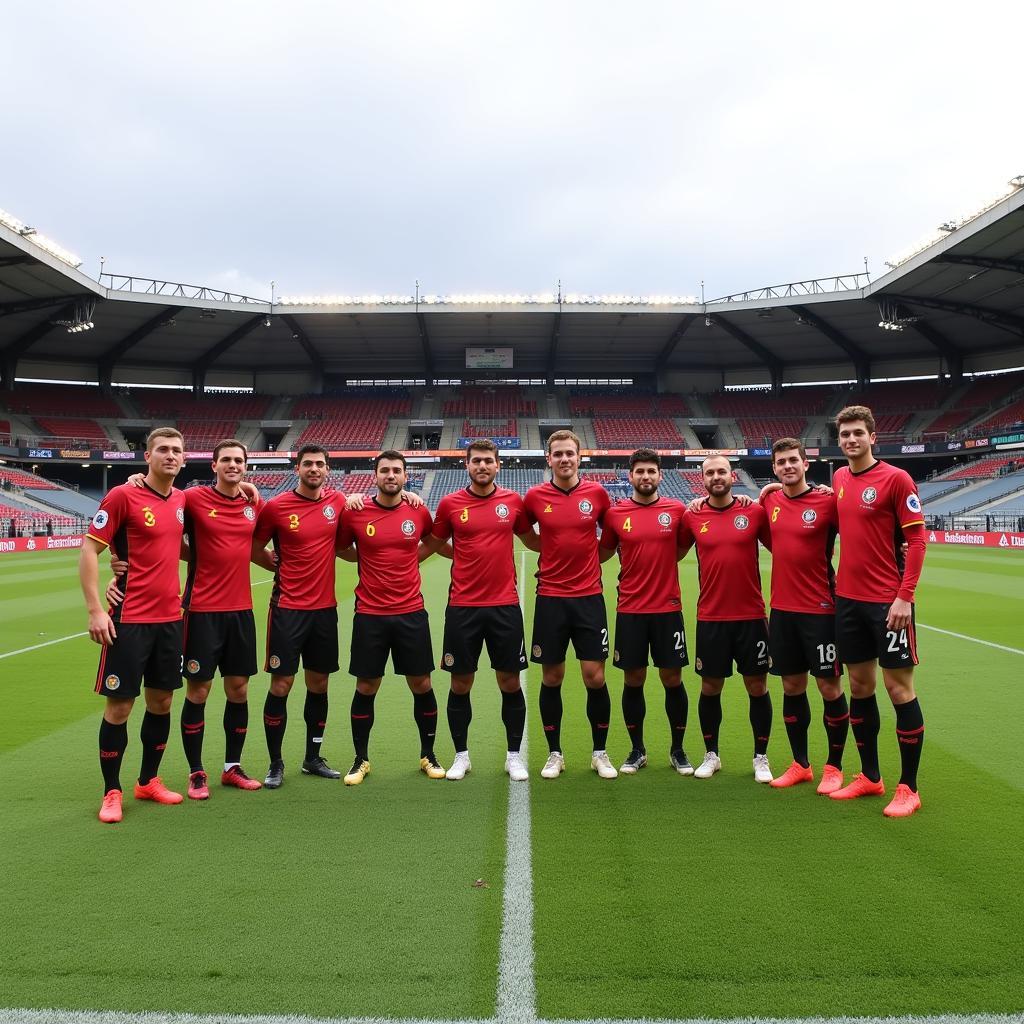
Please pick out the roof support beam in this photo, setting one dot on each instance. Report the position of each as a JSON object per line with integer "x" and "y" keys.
{"x": 27, "y": 305}
{"x": 108, "y": 360}
{"x": 209, "y": 358}
{"x": 670, "y": 346}
{"x": 953, "y": 356}
{"x": 769, "y": 359}
{"x": 17, "y": 348}
{"x": 428, "y": 355}
{"x": 1005, "y": 321}
{"x": 306, "y": 345}
{"x": 556, "y": 331}
{"x": 14, "y": 261}
{"x": 984, "y": 262}
{"x": 861, "y": 360}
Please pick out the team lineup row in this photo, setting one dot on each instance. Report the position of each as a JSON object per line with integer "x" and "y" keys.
{"x": 862, "y": 617}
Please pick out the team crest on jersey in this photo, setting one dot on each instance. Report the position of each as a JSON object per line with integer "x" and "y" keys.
{"x": 329, "y": 512}
{"x": 586, "y": 507}
{"x": 192, "y": 666}
{"x": 809, "y": 515}
{"x": 408, "y": 527}
{"x": 913, "y": 503}
{"x": 741, "y": 522}
{"x": 536, "y": 650}
{"x": 501, "y": 511}
{"x": 449, "y": 660}
{"x": 180, "y": 514}
{"x": 868, "y": 495}
{"x": 100, "y": 519}
{"x": 665, "y": 519}
{"x": 249, "y": 512}
{"x": 274, "y": 662}
{"x": 112, "y": 682}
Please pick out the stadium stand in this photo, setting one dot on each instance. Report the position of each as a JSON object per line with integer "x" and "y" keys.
{"x": 764, "y": 405}
{"x": 992, "y": 465}
{"x": 1010, "y": 416}
{"x": 630, "y": 431}
{"x": 490, "y": 428}
{"x": 60, "y": 431}
{"x": 72, "y": 502}
{"x": 586, "y": 402}
{"x": 968, "y": 498}
{"x": 25, "y": 481}
{"x": 490, "y": 404}
{"x": 900, "y": 396}
{"x": 354, "y": 419}
{"x": 61, "y": 400}
{"x": 5, "y": 431}
{"x": 178, "y": 405}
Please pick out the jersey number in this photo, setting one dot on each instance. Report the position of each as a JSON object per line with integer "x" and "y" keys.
{"x": 464, "y": 516}
{"x": 604, "y": 638}
{"x": 627, "y": 526}
{"x": 762, "y": 649}
{"x": 293, "y": 522}
{"x": 679, "y": 640}
{"x": 370, "y": 529}
{"x": 827, "y": 653}
{"x": 896, "y": 640}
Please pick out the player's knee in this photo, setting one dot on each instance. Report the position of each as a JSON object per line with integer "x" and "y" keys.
{"x": 899, "y": 686}
{"x": 830, "y": 689}
{"x": 159, "y": 701}
{"x": 635, "y": 677}
{"x": 670, "y": 678}
{"x": 553, "y": 675}
{"x": 462, "y": 684}
{"x": 368, "y": 687}
{"x": 593, "y": 674}
{"x": 508, "y": 682}
{"x": 418, "y": 684}
{"x": 117, "y": 710}
{"x": 757, "y": 686}
{"x": 281, "y": 686}
{"x": 711, "y": 687}
{"x": 793, "y": 686}
{"x": 236, "y": 690}
{"x": 316, "y": 682}
{"x": 198, "y": 692}
{"x": 862, "y": 679}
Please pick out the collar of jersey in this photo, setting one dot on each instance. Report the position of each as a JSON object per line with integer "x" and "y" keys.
{"x": 153, "y": 490}
{"x": 562, "y": 490}
{"x": 861, "y": 472}
{"x": 227, "y": 497}
{"x": 708, "y": 505}
{"x": 386, "y": 508}
{"x": 796, "y": 497}
{"x": 643, "y": 504}
{"x": 482, "y": 497}
{"x": 316, "y": 501}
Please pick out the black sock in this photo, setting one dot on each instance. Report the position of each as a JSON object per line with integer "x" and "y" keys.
{"x": 460, "y": 714}
{"x": 113, "y": 742}
{"x": 865, "y": 725}
{"x": 362, "y": 723}
{"x": 599, "y": 711}
{"x": 193, "y": 723}
{"x": 709, "y": 711}
{"x": 836, "y": 718}
{"x": 634, "y": 709}
{"x": 551, "y": 715}
{"x": 424, "y": 710}
{"x": 236, "y": 725}
{"x": 275, "y": 721}
{"x": 314, "y": 712}
{"x": 796, "y": 713}
{"x": 676, "y": 708}
{"x": 513, "y": 715}
{"x": 761, "y": 721}
{"x": 154, "y": 733}
{"x": 910, "y": 733}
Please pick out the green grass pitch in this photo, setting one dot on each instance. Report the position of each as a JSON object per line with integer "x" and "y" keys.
{"x": 654, "y": 896}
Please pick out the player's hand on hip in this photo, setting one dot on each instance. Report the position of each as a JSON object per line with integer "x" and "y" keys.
{"x": 354, "y": 502}
{"x": 101, "y": 629}
{"x": 412, "y": 499}
{"x": 899, "y": 615}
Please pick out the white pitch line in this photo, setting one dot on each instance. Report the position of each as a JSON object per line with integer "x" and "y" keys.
{"x": 973, "y": 639}
{"x": 36, "y": 647}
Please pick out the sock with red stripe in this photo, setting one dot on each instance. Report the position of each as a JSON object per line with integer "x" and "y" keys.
{"x": 314, "y": 713}
{"x": 836, "y": 718}
{"x": 424, "y": 709}
{"x": 676, "y": 708}
{"x": 761, "y": 721}
{"x": 796, "y": 713}
{"x": 460, "y": 714}
{"x": 599, "y": 711}
{"x": 362, "y": 723}
{"x": 709, "y": 711}
{"x": 551, "y": 715}
{"x": 193, "y": 723}
{"x": 910, "y": 733}
{"x": 634, "y": 709}
{"x": 275, "y": 721}
{"x": 513, "y": 716}
{"x": 236, "y": 725}
{"x": 113, "y": 743}
{"x": 865, "y": 724}
{"x": 154, "y": 733}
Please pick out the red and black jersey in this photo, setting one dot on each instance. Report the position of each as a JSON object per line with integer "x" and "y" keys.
{"x": 481, "y": 531}
{"x": 803, "y": 537}
{"x": 304, "y": 532}
{"x": 648, "y": 537}
{"x": 387, "y": 540}
{"x": 726, "y": 541}
{"x": 569, "y": 564}
{"x": 875, "y": 506}
{"x": 144, "y": 528}
{"x": 219, "y": 530}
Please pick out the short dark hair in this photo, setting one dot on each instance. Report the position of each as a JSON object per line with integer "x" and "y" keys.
{"x": 852, "y": 413}
{"x": 787, "y": 444}
{"x": 482, "y": 444}
{"x": 645, "y": 455}
{"x": 390, "y": 455}
{"x": 163, "y": 432}
{"x": 563, "y": 435}
{"x": 311, "y": 449}
{"x": 230, "y": 442}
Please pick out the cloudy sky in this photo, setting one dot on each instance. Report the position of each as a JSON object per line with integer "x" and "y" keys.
{"x": 499, "y": 147}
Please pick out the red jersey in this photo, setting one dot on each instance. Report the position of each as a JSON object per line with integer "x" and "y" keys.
{"x": 219, "y": 531}
{"x": 481, "y": 530}
{"x": 803, "y": 536}
{"x": 730, "y": 581}
{"x": 304, "y": 532}
{"x": 875, "y": 506}
{"x": 648, "y": 537}
{"x": 568, "y": 565}
{"x": 387, "y": 541}
{"x": 143, "y": 527}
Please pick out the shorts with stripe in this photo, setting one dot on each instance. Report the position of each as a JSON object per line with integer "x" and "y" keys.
{"x": 144, "y": 654}
{"x": 294, "y": 632}
{"x": 800, "y": 642}
{"x": 862, "y": 635}
{"x": 224, "y": 640}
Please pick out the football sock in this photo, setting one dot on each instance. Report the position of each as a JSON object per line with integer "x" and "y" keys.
{"x": 460, "y": 714}
{"x": 154, "y": 732}
{"x": 796, "y": 713}
{"x": 910, "y": 733}
{"x": 362, "y": 723}
{"x": 424, "y": 709}
{"x": 551, "y": 715}
{"x": 236, "y": 725}
{"x": 865, "y": 725}
{"x": 113, "y": 742}
{"x": 513, "y": 715}
{"x": 634, "y": 708}
{"x": 275, "y": 721}
{"x": 709, "y": 711}
{"x": 599, "y": 711}
{"x": 314, "y": 711}
{"x": 193, "y": 722}
{"x": 676, "y": 707}
{"x": 836, "y": 717}
{"x": 761, "y": 721}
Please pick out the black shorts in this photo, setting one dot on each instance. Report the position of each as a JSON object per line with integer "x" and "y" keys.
{"x": 800, "y": 642}
{"x": 224, "y": 640}
{"x": 862, "y": 635}
{"x": 466, "y": 629}
{"x": 719, "y": 644}
{"x": 557, "y": 620}
{"x": 292, "y": 632}
{"x": 405, "y": 637}
{"x": 144, "y": 654}
{"x": 661, "y": 633}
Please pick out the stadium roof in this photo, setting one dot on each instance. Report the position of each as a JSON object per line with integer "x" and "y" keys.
{"x": 958, "y": 304}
